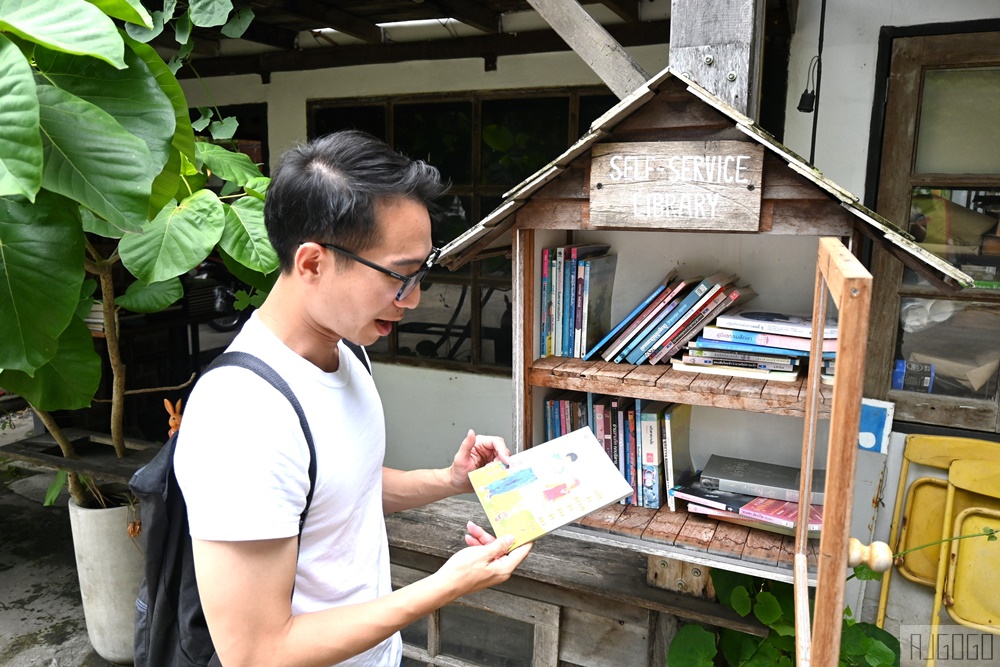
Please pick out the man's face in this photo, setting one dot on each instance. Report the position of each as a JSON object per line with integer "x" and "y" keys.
{"x": 365, "y": 297}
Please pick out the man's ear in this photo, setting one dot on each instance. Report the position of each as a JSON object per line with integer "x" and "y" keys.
{"x": 308, "y": 263}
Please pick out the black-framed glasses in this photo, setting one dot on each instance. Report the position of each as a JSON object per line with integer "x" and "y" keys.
{"x": 409, "y": 282}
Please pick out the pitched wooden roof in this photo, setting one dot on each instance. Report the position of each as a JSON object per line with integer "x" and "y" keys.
{"x": 899, "y": 242}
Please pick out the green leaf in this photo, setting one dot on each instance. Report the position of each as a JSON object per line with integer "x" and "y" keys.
{"x": 20, "y": 142}
{"x": 165, "y": 184}
{"x": 130, "y": 11}
{"x": 226, "y": 164}
{"x": 58, "y": 484}
{"x": 884, "y": 646}
{"x": 146, "y": 35}
{"x": 208, "y": 13}
{"x": 176, "y": 240}
{"x": 72, "y": 26}
{"x": 224, "y": 129}
{"x": 40, "y": 239}
{"x": 259, "y": 281}
{"x": 865, "y": 573}
{"x": 767, "y": 610}
{"x": 767, "y": 655}
{"x": 740, "y": 601}
{"x": 70, "y": 379}
{"x": 204, "y": 119}
{"x": 257, "y": 187}
{"x": 245, "y": 237}
{"x": 90, "y": 158}
{"x": 132, "y": 96}
{"x": 498, "y": 138}
{"x": 169, "y": 7}
{"x": 182, "y": 29}
{"x": 95, "y": 225}
{"x": 692, "y": 646}
{"x": 737, "y": 646}
{"x": 725, "y": 582}
{"x": 238, "y": 23}
{"x": 183, "y": 138}
{"x": 142, "y": 298}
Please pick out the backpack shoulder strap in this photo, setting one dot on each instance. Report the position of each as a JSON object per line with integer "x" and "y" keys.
{"x": 252, "y": 363}
{"x": 359, "y": 353}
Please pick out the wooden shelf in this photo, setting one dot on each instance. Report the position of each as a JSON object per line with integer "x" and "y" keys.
{"x": 666, "y": 384}
{"x": 695, "y": 538}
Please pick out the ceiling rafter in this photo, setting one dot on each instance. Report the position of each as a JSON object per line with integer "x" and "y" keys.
{"x": 470, "y": 13}
{"x": 319, "y": 16}
{"x": 627, "y": 10}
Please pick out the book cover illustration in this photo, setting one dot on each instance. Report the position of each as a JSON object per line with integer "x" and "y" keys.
{"x": 548, "y": 486}
{"x": 783, "y": 324}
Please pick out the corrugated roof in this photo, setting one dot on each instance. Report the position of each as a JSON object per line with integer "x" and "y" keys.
{"x": 878, "y": 226}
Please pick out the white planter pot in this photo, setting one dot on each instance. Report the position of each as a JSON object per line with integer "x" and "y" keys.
{"x": 110, "y": 566}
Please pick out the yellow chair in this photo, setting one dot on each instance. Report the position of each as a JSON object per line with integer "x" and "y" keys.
{"x": 967, "y": 569}
{"x": 920, "y": 520}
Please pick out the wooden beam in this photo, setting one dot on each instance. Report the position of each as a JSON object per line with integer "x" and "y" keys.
{"x": 627, "y": 10}
{"x": 617, "y": 69}
{"x": 471, "y": 14}
{"x": 270, "y": 35}
{"x": 504, "y": 44}
{"x": 324, "y": 16}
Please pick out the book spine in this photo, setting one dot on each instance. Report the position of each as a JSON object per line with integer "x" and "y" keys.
{"x": 766, "y": 340}
{"x": 583, "y": 268}
{"x": 569, "y": 303}
{"x": 557, "y": 286}
{"x": 544, "y": 314}
{"x": 599, "y": 423}
{"x": 777, "y": 328}
{"x": 657, "y": 309}
{"x": 766, "y": 491}
{"x": 626, "y": 324}
{"x": 635, "y": 456}
{"x": 668, "y": 322}
{"x": 737, "y": 363}
{"x": 614, "y": 433}
{"x": 723, "y": 355}
{"x": 766, "y": 518}
{"x": 671, "y": 343}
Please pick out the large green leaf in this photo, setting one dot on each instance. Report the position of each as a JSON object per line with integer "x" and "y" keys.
{"x": 692, "y": 646}
{"x": 238, "y": 23}
{"x": 208, "y": 13}
{"x": 226, "y": 164}
{"x": 41, "y": 271}
{"x": 166, "y": 183}
{"x": 73, "y": 26}
{"x": 130, "y": 11}
{"x": 245, "y": 237}
{"x": 20, "y": 142}
{"x": 132, "y": 96}
{"x": 183, "y": 139}
{"x": 68, "y": 381}
{"x": 143, "y": 34}
{"x": 143, "y": 298}
{"x": 90, "y": 158}
{"x": 176, "y": 240}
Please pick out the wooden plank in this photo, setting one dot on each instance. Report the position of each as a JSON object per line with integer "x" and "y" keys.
{"x": 729, "y": 539}
{"x": 677, "y": 575}
{"x": 663, "y": 528}
{"x": 708, "y": 384}
{"x": 682, "y": 185}
{"x": 762, "y": 547}
{"x": 674, "y": 111}
{"x": 645, "y": 375}
{"x": 592, "y": 640}
{"x": 696, "y": 533}
{"x": 603, "y": 519}
{"x": 602, "y": 53}
{"x": 633, "y": 521}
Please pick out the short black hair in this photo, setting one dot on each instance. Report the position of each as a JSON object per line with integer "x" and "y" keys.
{"x": 326, "y": 190}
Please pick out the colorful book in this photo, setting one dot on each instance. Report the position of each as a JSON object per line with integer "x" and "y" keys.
{"x": 654, "y": 476}
{"x": 696, "y": 351}
{"x": 547, "y": 486}
{"x": 704, "y": 343}
{"x": 572, "y": 254}
{"x": 750, "y": 373}
{"x": 660, "y": 325}
{"x": 729, "y": 296}
{"x": 781, "y": 512}
{"x": 766, "y": 340}
{"x": 630, "y": 318}
{"x": 634, "y": 456}
{"x": 759, "y": 478}
{"x": 657, "y": 309}
{"x": 738, "y": 363}
{"x": 594, "y": 313}
{"x": 782, "y": 324}
{"x": 601, "y": 404}
{"x": 675, "y": 441}
{"x": 700, "y": 308}
{"x": 736, "y": 519}
{"x": 695, "y": 492}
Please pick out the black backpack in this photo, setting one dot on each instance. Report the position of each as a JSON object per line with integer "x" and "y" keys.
{"x": 170, "y": 628}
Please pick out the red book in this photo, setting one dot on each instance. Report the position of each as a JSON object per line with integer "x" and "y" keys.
{"x": 781, "y": 512}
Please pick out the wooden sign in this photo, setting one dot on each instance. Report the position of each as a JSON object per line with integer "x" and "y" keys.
{"x": 687, "y": 185}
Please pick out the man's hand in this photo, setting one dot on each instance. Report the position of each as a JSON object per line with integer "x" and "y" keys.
{"x": 475, "y": 452}
{"x": 485, "y": 562}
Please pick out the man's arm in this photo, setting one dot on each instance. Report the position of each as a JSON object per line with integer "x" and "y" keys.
{"x": 403, "y": 490}
{"x": 246, "y": 590}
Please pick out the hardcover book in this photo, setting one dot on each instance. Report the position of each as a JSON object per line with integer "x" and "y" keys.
{"x": 548, "y": 486}
{"x": 696, "y": 493}
{"x": 630, "y": 319}
{"x": 765, "y": 339}
{"x": 783, "y": 324}
{"x": 781, "y": 512}
{"x": 757, "y": 478}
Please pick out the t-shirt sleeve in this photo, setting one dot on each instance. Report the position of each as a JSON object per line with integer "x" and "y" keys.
{"x": 241, "y": 459}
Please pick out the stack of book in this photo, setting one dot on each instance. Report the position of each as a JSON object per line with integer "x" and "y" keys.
{"x": 758, "y": 344}
{"x": 648, "y": 441}
{"x": 672, "y": 314}
{"x": 752, "y": 493}
{"x": 577, "y": 285}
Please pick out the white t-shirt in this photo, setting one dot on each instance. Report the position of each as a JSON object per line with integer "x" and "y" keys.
{"x": 242, "y": 464}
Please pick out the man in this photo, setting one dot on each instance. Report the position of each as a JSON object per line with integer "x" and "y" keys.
{"x": 349, "y": 220}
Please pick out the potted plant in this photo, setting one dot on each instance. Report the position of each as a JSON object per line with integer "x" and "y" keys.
{"x": 101, "y": 175}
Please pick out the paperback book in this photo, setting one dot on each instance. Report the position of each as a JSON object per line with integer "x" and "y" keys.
{"x": 750, "y": 373}
{"x": 781, "y": 512}
{"x": 548, "y": 486}
{"x": 704, "y": 343}
{"x": 595, "y": 286}
{"x": 629, "y": 320}
{"x": 728, "y": 297}
{"x": 765, "y": 339}
{"x": 739, "y": 520}
{"x": 782, "y": 324}
{"x": 757, "y": 478}
{"x": 695, "y": 493}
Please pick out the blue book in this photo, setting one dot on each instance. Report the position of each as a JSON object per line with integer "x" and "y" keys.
{"x": 636, "y": 350}
{"x": 571, "y": 256}
{"x": 706, "y": 344}
{"x": 631, "y": 316}
{"x": 546, "y": 324}
{"x": 644, "y": 332}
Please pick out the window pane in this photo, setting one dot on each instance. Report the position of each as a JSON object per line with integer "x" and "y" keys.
{"x": 485, "y": 638}
{"x": 592, "y": 107}
{"x": 370, "y": 119}
{"x": 451, "y": 220}
{"x": 953, "y": 137}
{"x": 498, "y": 332}
{"x": 415, "y": 634}
{"x": 410, "y": 662}
{"x": 441, "y": 327}
{"x": 960, "y": 226}
{"x": 951, "y": 346}
{"x": 520, "y": 136}
{"x": 438, "y": 133}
